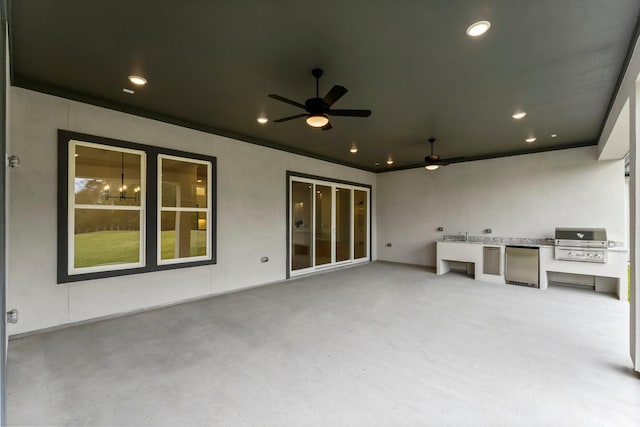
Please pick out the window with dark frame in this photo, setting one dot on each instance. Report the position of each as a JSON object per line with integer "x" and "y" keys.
{"x": 183, "y": 209}
{"x": 106, "y": 208}
{"x": 127, "y": 208}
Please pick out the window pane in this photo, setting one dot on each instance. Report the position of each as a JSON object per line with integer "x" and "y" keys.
{"x": 301, "y": 231}
{"x": 184, "y": 184}
{"x": 323, "y": 224}
{"x": 360, "y": 227}
{"x": 343, "y": 224}
{"x": 107, "y": 177}
{"x": 183, "y": 235}
{"x": 106, "y": 237}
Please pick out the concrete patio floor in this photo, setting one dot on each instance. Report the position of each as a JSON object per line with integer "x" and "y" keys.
{"x": 375, "y": 345}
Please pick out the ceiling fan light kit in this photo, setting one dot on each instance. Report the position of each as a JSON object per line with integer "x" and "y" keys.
{"x": 317, "y": 121}
{"x": 318, "y": 109}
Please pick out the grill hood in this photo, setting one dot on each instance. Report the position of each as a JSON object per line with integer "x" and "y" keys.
{"x": 584, "y": 234}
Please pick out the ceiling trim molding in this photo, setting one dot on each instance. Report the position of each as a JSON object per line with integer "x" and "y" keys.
{"x": 626, "y": 82}
{"x": 500, "y": 155}
{"x": 87, "y": 99}
{"x": 9, "y": 9}
{"x": 18, "y": 81}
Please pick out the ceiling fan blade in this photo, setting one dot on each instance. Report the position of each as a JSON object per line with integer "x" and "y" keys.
{"x": 334, "y": 94}
{"x": 327, "y": 127}
{"x": 297, "y": 116}
{"x": 287, "y": 100}
{"x": 350, "y": 113}
{"x": 432, "y": 159}
{"x": 445, "y": 162}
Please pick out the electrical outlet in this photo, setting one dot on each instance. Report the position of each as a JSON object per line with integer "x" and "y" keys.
{"x": 264, "y": 259}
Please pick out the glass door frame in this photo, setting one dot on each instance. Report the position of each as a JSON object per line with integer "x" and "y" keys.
{"x": 333, "y": 184}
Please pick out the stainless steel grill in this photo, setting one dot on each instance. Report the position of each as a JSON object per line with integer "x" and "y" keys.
{"x": 581, "y": 244}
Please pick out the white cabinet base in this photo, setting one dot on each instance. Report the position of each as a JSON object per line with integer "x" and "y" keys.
{"x": 472, "y": 253}
{"x": 610, "y": 277}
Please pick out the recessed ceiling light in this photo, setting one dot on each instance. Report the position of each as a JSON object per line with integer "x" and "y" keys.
{"x": 137, "y": 80}
{"x": 390, "y": 161}
{"x": 76, "y": 155}
{"x": 262, "y": 120}
{"x": 519, "y": 115}
{"x": 353, "y": 150}
{"x": 431, "y": 167}
{"x": 377, "y": 163}
{"x": 129, "y": 91}
{"x": 554, "y": 135}
{"x": 478, "y": 28}
{"x": 531, "y": 139}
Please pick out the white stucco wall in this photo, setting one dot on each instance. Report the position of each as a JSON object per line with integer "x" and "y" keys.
{"x": 519, "y": 196}
{"x": 251, "y": 214}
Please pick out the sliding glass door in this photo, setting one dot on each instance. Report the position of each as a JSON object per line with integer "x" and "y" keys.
{"x": 301, "y": 235}
{"x": 343, "y": 224}
{"x": 361, "y": 223}
{"x": 328, "y": 224}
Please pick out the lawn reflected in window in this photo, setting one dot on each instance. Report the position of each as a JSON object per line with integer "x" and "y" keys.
{"x": 106, "y": 237}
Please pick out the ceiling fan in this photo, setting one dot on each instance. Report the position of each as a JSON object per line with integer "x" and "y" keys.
{"x": 434, "y": 161}
{"x": 317, "y": 109}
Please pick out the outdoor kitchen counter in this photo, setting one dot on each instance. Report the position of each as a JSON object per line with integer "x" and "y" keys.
{"x": 610, "y": 277}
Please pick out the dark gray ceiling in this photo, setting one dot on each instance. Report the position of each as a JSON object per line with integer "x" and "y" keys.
{"x": 211, "y": 64}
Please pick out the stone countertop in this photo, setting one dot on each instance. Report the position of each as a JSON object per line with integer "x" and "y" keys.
{"x": 500, "y": 241}
{"x": 515, "y": 241}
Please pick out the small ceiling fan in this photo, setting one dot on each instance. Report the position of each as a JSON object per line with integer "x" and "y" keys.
{"x": 317, "y": 109}
{"x": 434, "y": 161}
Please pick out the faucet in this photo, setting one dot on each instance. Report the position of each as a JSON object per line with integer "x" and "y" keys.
{"x": 465, "y": 234}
